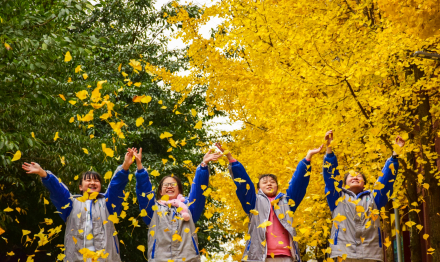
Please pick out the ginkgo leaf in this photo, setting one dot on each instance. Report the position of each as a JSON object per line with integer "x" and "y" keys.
{"x": 155, "y": 173}
{"x": 339, "y": 218}
{"x": 265, "y": 224}
{"x": 56, "y": 136}
{"x": 165, "y": 135}
{"x": 254, "y": 212}
{"x": 141, "y": 248}
{"x": 139, "y": 121}
{"x": 85, "y": 76}
{"x": 62, "y": 97}
{"x": 67, "y": 57}
{"x": 85, "y": 150}
{"x": 17, "y": 156}
{"x": 198, "y": 125}
{"x": 177, "y": 237}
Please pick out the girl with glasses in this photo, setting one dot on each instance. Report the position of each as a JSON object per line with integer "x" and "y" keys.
{"x": 171, "y": 220}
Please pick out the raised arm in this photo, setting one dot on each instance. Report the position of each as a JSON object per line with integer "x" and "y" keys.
{"x": 115, "y": 190}
{"x": 59, "y": 194}
{"x": 196, "y": 197}
{"x": 299, "y": 182}
{"x": 144, "y": 189}
{"x": 388, "y": 178}
{"x": 330, "y": 171}
{"x": 245, "y": 188}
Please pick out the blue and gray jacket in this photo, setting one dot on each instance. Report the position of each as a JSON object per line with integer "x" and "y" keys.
{"x": 169, "y": 236}
{"x": 361, "y": 230}
{"x": 73, "y": 212}
{"x": 249, "y": 199}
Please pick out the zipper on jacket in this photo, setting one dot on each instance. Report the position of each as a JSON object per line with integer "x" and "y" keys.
{"x": 265, "y": 230}
{"x": 154, "y": 249}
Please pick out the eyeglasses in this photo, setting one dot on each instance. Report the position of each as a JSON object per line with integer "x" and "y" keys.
{"x": 174, "y": 184}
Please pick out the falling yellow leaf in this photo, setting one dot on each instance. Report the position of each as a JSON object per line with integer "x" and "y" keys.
{"x": 17, "y": 156}
{"x": 177, "y": 237}
{"x": 85, "y": 76}
{"x": 155, "y": 173}
{"x": 339, "y": 218}
{"x": 74, "y": 239}
{"x": 62, "y": 97}
{"x": 8, "y": 47}
{"x": 165, "y": 135}
{"x": 425, "y": 236}
{"x": 198, "y": 125}
{"x": 85, "y": 151}
{"x": 67, "y": 57}
{"x": 141, "y": 248}
{"x": 265, "y": 224}
{"x": 139, "y": 121}
{"x": 8, "y": 209}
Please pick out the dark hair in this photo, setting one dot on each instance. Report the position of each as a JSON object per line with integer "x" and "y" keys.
{"x": 159, "y": 188}
{"x": 274, "y": 177}
{"x": 90, "y": 175}
{"x": 363, "y": 176}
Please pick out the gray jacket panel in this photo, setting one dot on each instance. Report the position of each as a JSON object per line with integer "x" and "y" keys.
{"x": 365, "y": 243}
{"x": 165, "y": 223}
{"x": 102, "y": 233}
{"x": 254, "y": 250}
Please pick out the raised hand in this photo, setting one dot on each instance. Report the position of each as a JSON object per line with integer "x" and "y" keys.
{"x": 34, "y": 168}
{"x": 228, "y": 154}
{"x": 138, "y": 157}
{"x": 313, "y": 152}
{"x": 400, "y": 141}
{"x": 211, "y": 156}
{"x": 329, "y": 138}
{"x": 128, "y": 160}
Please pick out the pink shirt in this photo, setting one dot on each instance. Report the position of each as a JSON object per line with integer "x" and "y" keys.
{"x": 275, "y": 235}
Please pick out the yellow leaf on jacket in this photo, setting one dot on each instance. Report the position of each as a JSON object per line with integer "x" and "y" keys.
{"x": 74, "y": 239}
{"x": 265, "y": 224}
{"x": 177, "y": 237}
{"x": 90, "y": 236}
{"x": 339, "y": 218}
{"x": 254, "y": 212}
{"x": 17, "y": 156}
{"x": 67, "y": 57}
{"x": 66, "y": 206}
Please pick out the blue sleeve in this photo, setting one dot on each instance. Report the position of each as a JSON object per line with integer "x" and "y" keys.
{"x": 246, "y": 196}
{"x": 196, "y": 196}
{"x": 330, "y": 171}
{"x": 143, "y": 185}
{"x": 381, "y": 198}
{"x": 298, "y": 184}
{"x": 59, "y": 194}
{"x": 115, "y": 190}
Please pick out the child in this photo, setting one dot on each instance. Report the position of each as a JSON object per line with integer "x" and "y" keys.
{"x": 88, "y": 227}
{"x": 274, "y": 242}
{"x": 360, "y": 238}
{"x": 171, "y": 236}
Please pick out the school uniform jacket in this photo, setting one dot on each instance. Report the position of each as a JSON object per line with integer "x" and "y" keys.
{"x": 73, "y": 212}
{"x": 169, "y": 236}
{"x": 358, "y": 235}
{"x": 249, "y": 199}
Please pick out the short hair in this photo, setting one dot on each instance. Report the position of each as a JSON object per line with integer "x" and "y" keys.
{"x": 274, "y": 177}
{"x": 348, "y": 173}
{"x": 90, "y": 175}
{"x": 159, "y": 188}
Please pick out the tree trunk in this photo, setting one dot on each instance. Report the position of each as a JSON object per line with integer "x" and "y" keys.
{"x": 411, "y": 194}
{"x": 387, "y": 226}
{"x": 426, "y": 137}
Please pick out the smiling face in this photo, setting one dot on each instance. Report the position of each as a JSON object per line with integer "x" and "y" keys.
{"x": 268, "y": 185}
{"x": 356, "y": 182}
{"x": 170, "y": 188}
{"x": 90, "y": 180}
